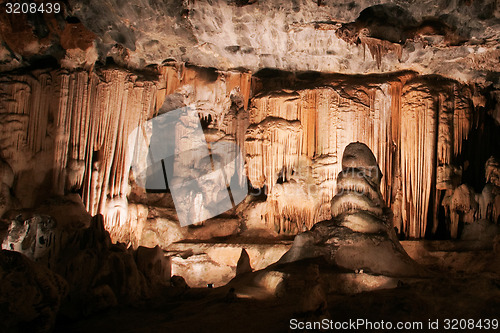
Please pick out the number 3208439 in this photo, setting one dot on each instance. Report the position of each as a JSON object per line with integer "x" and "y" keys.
{"x": 32, "y": 8}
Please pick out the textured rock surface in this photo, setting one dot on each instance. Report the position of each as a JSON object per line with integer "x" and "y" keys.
{"x": 453, "y": 38}
{"x": 34, "y": 237}
{"x": 360, "y": 235}
{"x": 415, "y": 126}
{"x": 355, "y": 251}
{"x": 97, "y": 274}
{"x": 422, "y": 91}
{"x": 68, "y": 131}
{"x": 63, "y": 136}
{"x": 30, "y": 294}
{"x": 70, "y": 123}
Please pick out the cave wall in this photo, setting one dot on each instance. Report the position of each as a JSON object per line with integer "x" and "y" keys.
{"x": 417, "y": 81}
{"x": 414, "y": 125}
{"x": 68, "y": 132}
{"x": 65, "y": 132}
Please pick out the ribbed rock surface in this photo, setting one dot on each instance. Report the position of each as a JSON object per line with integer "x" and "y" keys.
{"x": 360, "y": 235}
{"x": 299, "y": 126}
{"x": 68, "y": 131}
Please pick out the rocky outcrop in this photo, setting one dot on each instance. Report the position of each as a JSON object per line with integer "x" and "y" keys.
{"x": 360, "y": 235}
{"x": 96, "y": 273}
{"x": 30, "y": 294}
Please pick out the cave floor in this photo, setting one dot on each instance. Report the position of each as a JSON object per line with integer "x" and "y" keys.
{"x": 447, "y": 296}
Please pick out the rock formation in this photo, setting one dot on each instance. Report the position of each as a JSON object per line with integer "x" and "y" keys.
{"x": 34, "y": 237}
{"x": 67, "y": 132}
{"x": 360, "y": 235}
{"x": 31, "y": 294}
{"x": 243, "y": 266}
{"x": 414, "y": 125}
{"x": 72, "y": 127}
{"x": 80, "y": 263}
{"x": 6, "y": 182}
{"x": 294, "y": 86}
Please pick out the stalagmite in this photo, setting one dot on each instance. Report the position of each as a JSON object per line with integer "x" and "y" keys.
{"x": 463, "y": 208}
{"x": 360, "y": 234}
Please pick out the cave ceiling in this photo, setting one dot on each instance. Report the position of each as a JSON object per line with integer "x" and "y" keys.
{"x": 454, "y": 38}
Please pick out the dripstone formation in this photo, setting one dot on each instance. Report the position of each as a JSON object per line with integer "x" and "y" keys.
{"x": 359, "y": 236}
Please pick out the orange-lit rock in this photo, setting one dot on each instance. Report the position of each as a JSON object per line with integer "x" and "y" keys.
{"x": 360, "y": 235}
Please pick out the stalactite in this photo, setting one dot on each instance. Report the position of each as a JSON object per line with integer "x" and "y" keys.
{"x": 395, "y": 138}
{"x": 37, "y": 126}
{"x": 444, "y": 174}
{"x": 242, "y": 82}
{"x": 445, "y": 128}
{"x": 272, "y": 146}
{"x": 62, "y": 132}
{"x": 90, "y": 117}
{"x": 73, "y": 127}
{"x": 413, "y": 129}
{"x": 418, "y": 131}
{"x": 210, "y": 93}
{"x": 378, "y": 48}
{"x": 20, "y": 95}
{"x": 462, "y": 118}
{"x": 329, "y": 122}
{"x": 290, "y": 219}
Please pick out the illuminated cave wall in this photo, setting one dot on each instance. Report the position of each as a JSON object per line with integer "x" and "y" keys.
{"x": 414, "y": 125}
{"x": 417, "y": 82}
{"x": 66, "y": 132}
